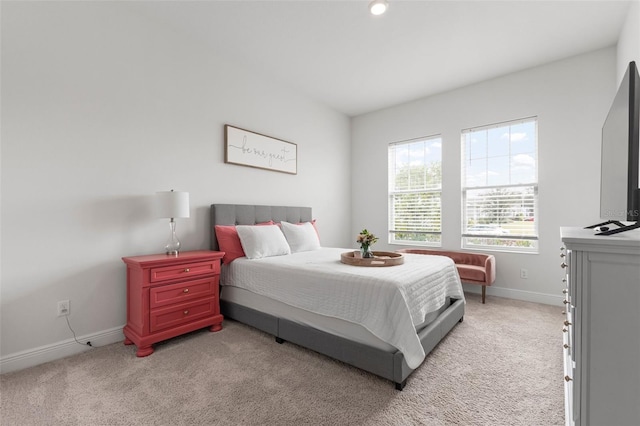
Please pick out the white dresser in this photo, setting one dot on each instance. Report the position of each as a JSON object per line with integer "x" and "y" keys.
{"x": 601, "y": 328}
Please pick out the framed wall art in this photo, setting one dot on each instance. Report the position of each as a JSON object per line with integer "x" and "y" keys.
{"x": 251, "y": 149}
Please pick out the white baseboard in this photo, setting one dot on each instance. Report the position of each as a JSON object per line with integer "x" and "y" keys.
{"x": 509, "y": 293}
{"x": 42, "y": 354}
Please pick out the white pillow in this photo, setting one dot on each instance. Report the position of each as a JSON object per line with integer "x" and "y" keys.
{"x": 301, "y": 237}
{"x": 262, "y": 241}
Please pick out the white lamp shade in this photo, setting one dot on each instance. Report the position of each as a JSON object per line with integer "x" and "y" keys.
{"x": 172, "y": 204}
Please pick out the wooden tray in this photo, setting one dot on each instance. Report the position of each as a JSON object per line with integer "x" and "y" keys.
{"x": 381, "y": 258}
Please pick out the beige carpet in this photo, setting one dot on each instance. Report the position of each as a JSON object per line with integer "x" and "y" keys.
{"x": 501, "y": 366}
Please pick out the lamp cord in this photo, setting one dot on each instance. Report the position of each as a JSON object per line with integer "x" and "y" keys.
{"x": 74, "y": 334}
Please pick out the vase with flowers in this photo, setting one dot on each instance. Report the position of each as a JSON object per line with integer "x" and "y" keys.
{"x": 366, "y": 240}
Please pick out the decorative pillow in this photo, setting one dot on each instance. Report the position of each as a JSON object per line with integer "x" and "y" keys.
{"x": 262, "y": 241}
{"x": 313, "y": 222}
{"x": 229, "y": 242}
{"x": 301, "y": 237}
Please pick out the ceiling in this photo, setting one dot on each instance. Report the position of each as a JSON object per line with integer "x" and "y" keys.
{"x": 339, "y": 54}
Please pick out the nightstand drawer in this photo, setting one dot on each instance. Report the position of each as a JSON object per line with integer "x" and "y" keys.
{"x": 174, "y": 316}
{"x": 182, "y": 292}
{"x": 184, "y": 271}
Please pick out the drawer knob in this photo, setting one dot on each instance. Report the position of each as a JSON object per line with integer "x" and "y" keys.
{"x": 566, "y": 346}
{"x": 562, "y": 255}
{"x": 564, "y": 280}
{"x": 565, "y": 301}
{"x": 563, "y": 265}
{"x": 186, "y": 312}
{"x": 186, "y": 270}
{"x": 186, "y": 290}
{"x": 567, "y": 379}
{"x": 567, "y": 323}
{"x": 565, "y": 291}
{"x": 564, "y": 330}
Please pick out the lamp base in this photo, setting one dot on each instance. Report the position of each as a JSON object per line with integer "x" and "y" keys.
{"x": 173, "y": 245}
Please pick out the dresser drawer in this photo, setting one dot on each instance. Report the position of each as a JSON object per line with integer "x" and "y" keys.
{"x": 176, "y": 315}
{"x": 182, "y": 292}
{"x": 184, "y": 271}
{"x": 568, "y": 324}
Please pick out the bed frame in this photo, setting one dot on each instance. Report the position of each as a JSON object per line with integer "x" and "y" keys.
{"x": 389, "y": 365}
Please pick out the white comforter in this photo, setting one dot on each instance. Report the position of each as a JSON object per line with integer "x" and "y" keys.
{"x": 387, "y": 301}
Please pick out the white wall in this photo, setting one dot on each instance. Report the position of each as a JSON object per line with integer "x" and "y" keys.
{"x": 101, "y": 108}
{"x": 628, "y": 48}
{"x": 570, "y": 98}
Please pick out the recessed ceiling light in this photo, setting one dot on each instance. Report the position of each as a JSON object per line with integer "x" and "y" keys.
{"x": 378, "y": 7}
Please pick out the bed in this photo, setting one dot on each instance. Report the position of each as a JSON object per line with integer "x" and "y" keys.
{"x": 256, "y": 293}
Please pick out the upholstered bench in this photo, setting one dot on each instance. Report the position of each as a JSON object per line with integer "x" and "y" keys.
{"x": 473, "y": 268}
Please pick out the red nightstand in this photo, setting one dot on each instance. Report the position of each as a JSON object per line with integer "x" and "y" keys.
{"x": 170, "y": 295}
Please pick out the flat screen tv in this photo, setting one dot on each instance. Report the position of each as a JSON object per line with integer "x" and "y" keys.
{"x": 620, "y": 179}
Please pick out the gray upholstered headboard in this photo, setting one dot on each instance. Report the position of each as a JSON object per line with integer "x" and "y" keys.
{"x": 247, "y": 214}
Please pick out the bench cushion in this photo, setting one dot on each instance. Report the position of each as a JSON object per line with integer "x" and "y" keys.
{"x": 472, "y": 273}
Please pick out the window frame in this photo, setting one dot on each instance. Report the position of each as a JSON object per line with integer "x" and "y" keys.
{"x": 428, "y": 192}
{"x": 489, "y": 241}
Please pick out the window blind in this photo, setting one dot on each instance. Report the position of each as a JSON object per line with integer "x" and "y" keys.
{"x": 500, "y": 185}
{"x": 415, "y": 188}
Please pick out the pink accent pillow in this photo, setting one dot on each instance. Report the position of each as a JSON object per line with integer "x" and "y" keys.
{"x": 229, "y": 241}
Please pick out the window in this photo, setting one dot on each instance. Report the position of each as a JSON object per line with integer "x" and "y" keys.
{"x": 415, "y": 187}
{"x": 500, "y": 186}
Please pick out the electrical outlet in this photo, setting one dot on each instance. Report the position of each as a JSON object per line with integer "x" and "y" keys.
{"x": 524, "y": 274}
{"x": 63, "y": 308}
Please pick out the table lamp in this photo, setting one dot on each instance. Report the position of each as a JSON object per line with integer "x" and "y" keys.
{"x": 172, "y": 204}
